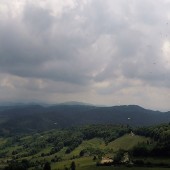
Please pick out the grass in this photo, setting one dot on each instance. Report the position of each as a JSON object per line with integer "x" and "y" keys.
{"x": 80, "y": 162}
{"x": 119, "y": 168}
{"x": 156, "y": 160}
{"x": 95, "y": 143}
{"x": 86, "y": 163}
{"x": 126, "y": 142}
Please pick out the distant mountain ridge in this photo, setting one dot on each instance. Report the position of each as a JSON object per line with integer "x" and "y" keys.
{"x": 33, "y": 118}
{"x": 75, "y": 103}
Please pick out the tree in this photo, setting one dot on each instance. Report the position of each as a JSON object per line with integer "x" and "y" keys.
{"x": 94, "y": 158}
{"x": 15, "y": 165}
{"x": 47, "y": 166}
{"x": 81, "y": 153}
{"x": 73, "y": 166}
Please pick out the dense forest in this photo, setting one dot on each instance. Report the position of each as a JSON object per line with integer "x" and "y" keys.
{"x": 36, "y": 118}
{"x": 160, "y": 134}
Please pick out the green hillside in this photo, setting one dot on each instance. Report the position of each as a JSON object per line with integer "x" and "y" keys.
{"x": 126, "y": 142}
{"x": 93, "y": 147}
{"x": 85, "y": 146}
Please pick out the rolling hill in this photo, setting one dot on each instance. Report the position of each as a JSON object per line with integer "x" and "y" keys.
{"x": 32, "y": 118}
{"x": 87, "y": 143}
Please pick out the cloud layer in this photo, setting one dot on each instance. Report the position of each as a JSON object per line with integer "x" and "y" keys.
{"x": 102, "y": 52}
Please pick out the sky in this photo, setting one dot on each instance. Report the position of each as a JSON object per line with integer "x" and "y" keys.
{"x": 104, "y": 52}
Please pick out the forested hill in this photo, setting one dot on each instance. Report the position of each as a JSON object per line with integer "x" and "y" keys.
{"x": 32, "y": 118}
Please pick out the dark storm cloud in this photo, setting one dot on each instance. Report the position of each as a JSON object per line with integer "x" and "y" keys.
{"x": 95, "y": 46}
{"x": 25, "y": 54}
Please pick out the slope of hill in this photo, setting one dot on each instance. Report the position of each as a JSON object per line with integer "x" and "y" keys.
{"x": 34, "y": 118}
{"x": 62, "y": 146}
{"x": 85, "y": 146}
{"x": 127, "y": 142}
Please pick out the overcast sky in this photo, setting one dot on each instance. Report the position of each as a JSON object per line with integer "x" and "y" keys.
{"x": 110, "y": 52}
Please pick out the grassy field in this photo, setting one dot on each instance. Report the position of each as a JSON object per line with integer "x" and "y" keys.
{"x": 80, "y": 163}
{"x": 126, "y": 142}
{"x": 88, "y": 164}
{"x": 95, "y": 143}
{"x": 119, "y": 168}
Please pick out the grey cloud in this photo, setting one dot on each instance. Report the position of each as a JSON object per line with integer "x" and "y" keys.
{"x": 25, "y": 56}
{"x": 37, "y": 18}
{"x": 92, "y": 43}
